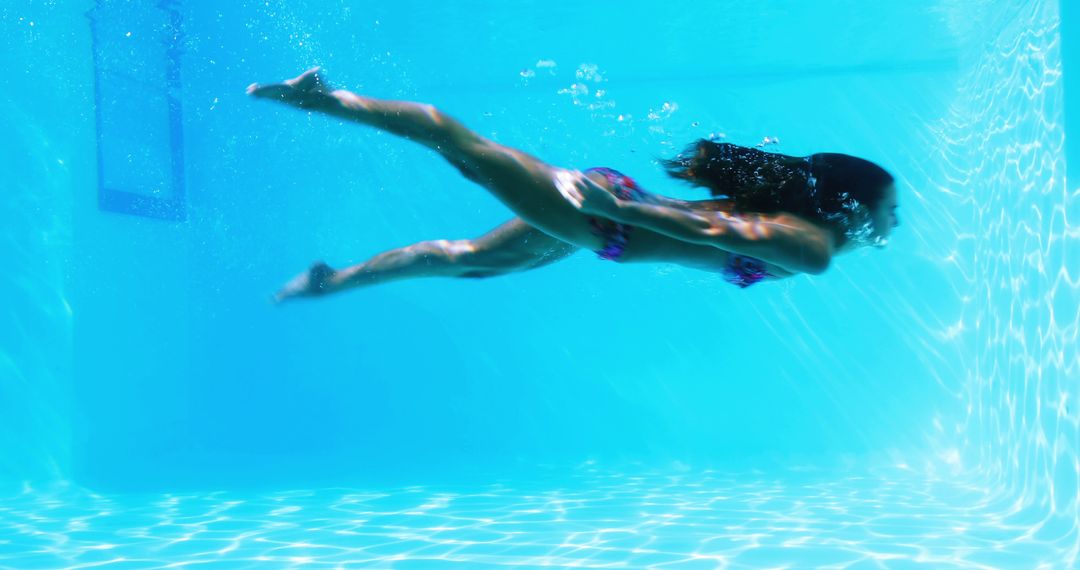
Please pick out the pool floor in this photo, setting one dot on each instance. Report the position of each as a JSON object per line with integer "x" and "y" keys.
{"x": 681, "y": 520}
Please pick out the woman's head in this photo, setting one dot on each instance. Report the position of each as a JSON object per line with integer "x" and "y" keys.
{"x": 884, "y": 214}
{"x": 857, "y": 194}
{"x": 852, "y": 196}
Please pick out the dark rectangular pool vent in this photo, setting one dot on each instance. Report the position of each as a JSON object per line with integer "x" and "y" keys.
{"x": 140, "y": 137}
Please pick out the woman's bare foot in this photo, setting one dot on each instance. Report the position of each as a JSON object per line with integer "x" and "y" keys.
{"x": 314, "y": 282}
{"x": 304, "y": 91}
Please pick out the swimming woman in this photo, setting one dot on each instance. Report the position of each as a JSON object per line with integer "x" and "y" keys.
{"x": 771, "y": 215}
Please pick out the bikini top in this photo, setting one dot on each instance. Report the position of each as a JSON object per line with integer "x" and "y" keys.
{"x": 744, "y": 271}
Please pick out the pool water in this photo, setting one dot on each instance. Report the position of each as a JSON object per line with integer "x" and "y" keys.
{"x": 912, "y": 407}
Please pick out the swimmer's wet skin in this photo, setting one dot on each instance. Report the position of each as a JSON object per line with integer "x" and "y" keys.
{"x": 771, "y": 215}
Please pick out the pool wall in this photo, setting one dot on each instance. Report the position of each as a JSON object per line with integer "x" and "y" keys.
{"x": 1016, "y": 266}
{"x": 47, "y": 161}
{"x": 579, "y": 362}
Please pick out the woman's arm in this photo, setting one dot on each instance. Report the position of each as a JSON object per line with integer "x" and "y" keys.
{"x": 783, "y": 239}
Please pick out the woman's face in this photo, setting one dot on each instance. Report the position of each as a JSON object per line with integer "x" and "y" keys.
{"x": 884, "y": 215}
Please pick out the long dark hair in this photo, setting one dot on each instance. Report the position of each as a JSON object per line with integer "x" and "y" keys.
{"x": 826, "y": 187}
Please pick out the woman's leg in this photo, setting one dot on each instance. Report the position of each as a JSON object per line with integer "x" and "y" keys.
{"x": 513, "y": 246}
{"x": 525, "y": 184}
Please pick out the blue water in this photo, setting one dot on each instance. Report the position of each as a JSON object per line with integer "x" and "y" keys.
{"x": 912, "y": 407}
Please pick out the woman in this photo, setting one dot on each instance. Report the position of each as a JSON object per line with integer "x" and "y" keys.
{"x": 771, "y": 216}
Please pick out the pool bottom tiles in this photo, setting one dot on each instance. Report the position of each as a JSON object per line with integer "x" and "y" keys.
{"x": 892, "y": 519}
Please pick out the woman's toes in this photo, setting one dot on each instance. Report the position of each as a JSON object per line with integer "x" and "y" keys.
{"x": 307, "y": 81}
{"x": 274, "y": 90}
{"x": 306, "y": 88}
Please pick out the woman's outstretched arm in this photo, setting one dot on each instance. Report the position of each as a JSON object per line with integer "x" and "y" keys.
{"x": 782, "y": 239}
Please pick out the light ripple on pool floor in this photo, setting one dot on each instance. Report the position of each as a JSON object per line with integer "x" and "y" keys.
{"x": 709, "y": 520}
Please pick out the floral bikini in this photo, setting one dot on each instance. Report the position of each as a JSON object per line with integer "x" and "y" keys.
{"x": 741, "y": 270}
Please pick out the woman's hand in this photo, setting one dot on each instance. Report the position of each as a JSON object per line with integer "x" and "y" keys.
{"x": 586, "y": 195}
{"x": 317, "y": 280}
